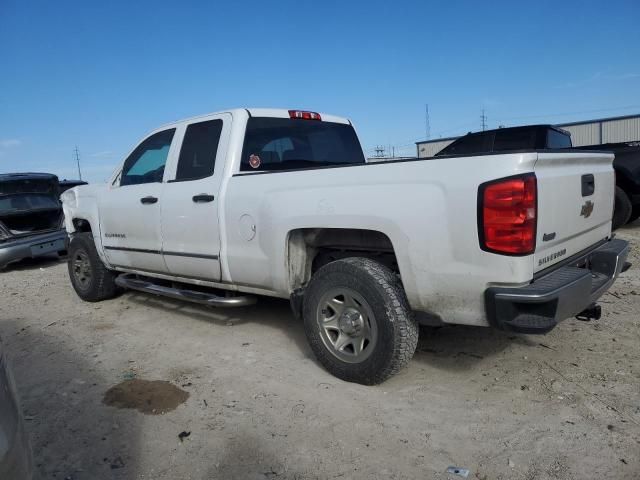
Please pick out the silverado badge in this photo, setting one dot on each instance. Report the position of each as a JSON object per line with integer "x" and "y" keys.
{"x": 587, "y": 208}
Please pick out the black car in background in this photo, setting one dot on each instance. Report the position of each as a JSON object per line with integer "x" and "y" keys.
{"x": 541, "y": 137}
{"x": 31, "y": 218}
{"x": 529, "y": 137}
{"x": 627, "y": 167}
{"x": 67, "y": 184}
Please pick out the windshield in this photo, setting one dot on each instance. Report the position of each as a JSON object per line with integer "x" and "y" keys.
{"x": 286, "y": 144}
{"x": 26, "y": 201}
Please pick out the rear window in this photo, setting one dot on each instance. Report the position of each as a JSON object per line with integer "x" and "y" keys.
{"x": 48, "y": 186}
{"x": 556, "y": 139}
{"x": 287, "y": 144}
{"x": 514, "y": 139}
{"x": 27, "y": 201}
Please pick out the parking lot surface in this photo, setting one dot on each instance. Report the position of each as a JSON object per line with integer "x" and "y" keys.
{"x": 246, "y": 399}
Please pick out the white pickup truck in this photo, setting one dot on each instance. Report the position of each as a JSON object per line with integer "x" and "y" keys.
{"x": 220, "y": 208}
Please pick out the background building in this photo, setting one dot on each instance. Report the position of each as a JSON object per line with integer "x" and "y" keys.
{"x": 587, "y": 132}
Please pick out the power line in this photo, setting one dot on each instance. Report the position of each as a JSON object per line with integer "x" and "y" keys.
{"x": 77, "y": 152}
{"x": 426, "y": 120}
{"x": 467, "y": 126}
{"x": 628, "y": 107}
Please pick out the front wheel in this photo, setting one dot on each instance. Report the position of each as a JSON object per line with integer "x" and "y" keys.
{"x": 358, "y": 321}
{"x": 635, "y": 213}
{"x": 91, "y": 280}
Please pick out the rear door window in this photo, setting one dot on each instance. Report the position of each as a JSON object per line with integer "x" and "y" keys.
{"x": 289, "y": 144}
{"x": 146, "y": 163}
{"x": 199, "y": 149}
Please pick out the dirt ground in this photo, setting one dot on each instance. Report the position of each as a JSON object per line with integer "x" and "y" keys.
{"x": 258, "y": 406}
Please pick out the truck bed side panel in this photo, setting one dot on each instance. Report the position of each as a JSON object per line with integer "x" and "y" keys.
{"x": 428, "y": 209}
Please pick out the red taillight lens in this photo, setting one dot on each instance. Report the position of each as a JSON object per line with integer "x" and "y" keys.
{"x": 304, "y": 115}
{"x": 508, "y": 215}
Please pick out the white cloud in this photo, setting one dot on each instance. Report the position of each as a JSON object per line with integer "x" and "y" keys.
{"x": 599, "y": 77}
{"x": 10, "y": 142}
{"x": 624, "y": 76}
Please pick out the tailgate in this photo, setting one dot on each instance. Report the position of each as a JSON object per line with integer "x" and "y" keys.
{"x": 575, "y": 204}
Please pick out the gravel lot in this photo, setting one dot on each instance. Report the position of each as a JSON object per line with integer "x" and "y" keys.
{"x": 561, "y": 406}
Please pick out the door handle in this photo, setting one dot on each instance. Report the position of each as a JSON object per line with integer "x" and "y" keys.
{"x": 588, "y": 184}
{"x": 148, "y": 199}
{"x": 203, "y": 198}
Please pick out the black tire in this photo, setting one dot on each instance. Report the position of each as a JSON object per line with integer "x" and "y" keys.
{"x": 91, "y": 280}
{"x": 377, "y": 292}
{"x": 635, "y": 213}
{"x": 621, "y": 209}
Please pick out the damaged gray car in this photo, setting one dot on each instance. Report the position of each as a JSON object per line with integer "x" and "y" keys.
{"x": 31, "y": 218}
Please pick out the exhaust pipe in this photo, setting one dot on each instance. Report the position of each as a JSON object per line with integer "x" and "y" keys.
{"x": 592, "y": 312}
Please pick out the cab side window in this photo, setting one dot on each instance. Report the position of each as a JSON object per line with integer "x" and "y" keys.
{"x": 198, "y": 152}
{"x": 557, "y": 139}
{"x": 146, "y": 163}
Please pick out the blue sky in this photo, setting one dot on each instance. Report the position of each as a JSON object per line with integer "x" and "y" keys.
{"x": 101, "y": 74}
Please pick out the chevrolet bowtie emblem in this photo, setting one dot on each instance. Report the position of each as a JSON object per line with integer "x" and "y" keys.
{"x": 587, "y": 209}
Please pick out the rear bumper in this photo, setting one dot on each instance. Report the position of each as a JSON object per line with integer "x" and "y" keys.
{"x": 32, "y": 246}
{"x": 563, "y": 293}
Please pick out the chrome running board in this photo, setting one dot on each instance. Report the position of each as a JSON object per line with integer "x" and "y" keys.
{"x": 133, "y": 282}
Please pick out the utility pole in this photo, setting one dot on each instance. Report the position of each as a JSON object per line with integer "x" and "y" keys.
{"x": 426, "y": 121}
{"x": 379, "y": 151}
{"x": 483, "y": 120}
{"x": 77, "y": 153}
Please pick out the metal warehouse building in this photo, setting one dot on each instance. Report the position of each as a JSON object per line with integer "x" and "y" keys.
{"x": 588, "y": 132}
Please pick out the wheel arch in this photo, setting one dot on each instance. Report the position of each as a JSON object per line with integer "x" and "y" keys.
{"x": 81, "y": 225}
{"x": 308, "y": 249}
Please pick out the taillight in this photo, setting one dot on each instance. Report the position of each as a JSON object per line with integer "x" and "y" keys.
{"x": 304, "y": 115}
{"x": 507, "y": 215}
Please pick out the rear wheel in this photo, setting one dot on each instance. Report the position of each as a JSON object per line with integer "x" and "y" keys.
{"x": 91, "y": 280}
{"x": 358, "y": 321}
{"x": 622, "y": 209}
